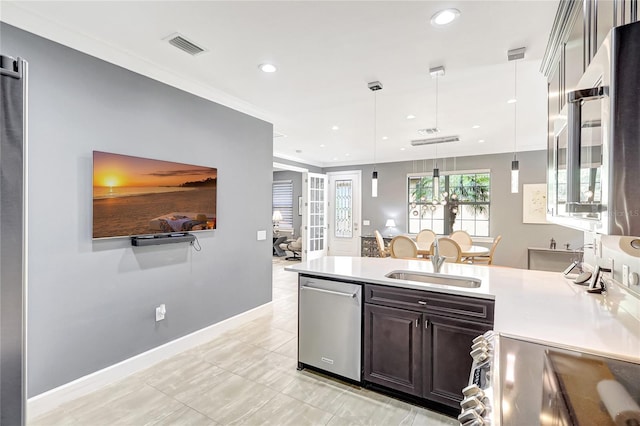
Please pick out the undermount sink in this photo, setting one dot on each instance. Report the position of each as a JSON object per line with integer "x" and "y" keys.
{"x": 429, "y": 278}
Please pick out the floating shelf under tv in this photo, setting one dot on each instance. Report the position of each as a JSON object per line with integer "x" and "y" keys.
{"x": 154, "y": 240}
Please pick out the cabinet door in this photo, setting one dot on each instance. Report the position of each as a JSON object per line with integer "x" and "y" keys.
{"x": 447, "y": 363}
{"x": 604, "y": 18}
{"x": 554, "y": 95}
{"x": 392, "y": 348}
{"x": 574, "y": 57}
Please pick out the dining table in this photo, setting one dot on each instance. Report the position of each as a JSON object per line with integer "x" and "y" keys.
{"x": 424, "y": 249}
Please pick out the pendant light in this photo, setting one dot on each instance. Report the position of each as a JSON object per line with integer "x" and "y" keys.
{"x": 514, "y": 55}
{"x": 374, "y": 86}
{"x": 435, "y": 73}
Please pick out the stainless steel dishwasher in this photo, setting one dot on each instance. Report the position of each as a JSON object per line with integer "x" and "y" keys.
{"x": 330, "y": 326}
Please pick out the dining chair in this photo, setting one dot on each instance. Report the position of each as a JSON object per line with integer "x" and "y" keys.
{"x": 382, "y": 250}
{"x": 450, "y": 249}
{"x": 462, "y": 238}
{"x": 403, "y": 247}
{"x": 426, "y": 236}
{"x": 487, "y": 259}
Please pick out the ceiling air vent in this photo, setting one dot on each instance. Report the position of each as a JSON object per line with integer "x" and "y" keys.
{"x": 445, "y": 139}
{"x": 430, "y": 131}
{"x": 182, "y": 43}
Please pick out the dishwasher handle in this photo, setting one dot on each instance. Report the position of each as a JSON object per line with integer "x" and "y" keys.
{"x": 335, "y": 293}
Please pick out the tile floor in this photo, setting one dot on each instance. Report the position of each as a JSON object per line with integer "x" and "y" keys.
{"x": 247, "y": 376}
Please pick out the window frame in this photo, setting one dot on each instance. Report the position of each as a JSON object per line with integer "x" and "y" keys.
{"x": 444, "y": 179}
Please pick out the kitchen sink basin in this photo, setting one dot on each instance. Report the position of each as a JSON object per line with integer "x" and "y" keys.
{"x": 429, "y": 278}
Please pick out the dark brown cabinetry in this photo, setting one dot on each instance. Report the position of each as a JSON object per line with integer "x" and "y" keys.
{"x": 447, "y": 363}
{"x": 418, "y": 342}
{"x": 393, "y": 348}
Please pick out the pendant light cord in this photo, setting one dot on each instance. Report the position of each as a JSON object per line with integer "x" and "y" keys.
{"x": 375, "y": 121}
{"x": 435, "y": 160}
{"x": 436, "y": 101}
{"x": 515, "y": 107}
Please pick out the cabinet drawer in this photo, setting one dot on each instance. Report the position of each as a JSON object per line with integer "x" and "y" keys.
{"x": 430, "y": 302}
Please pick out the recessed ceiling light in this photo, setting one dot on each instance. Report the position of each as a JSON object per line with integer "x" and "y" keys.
{"x": 475, "y": 126}
{"x": 299, "y": 151}
{"x": 268, "y": 68}
{"x": 481, "y": 141}
{"x": 512, "y": 101}
{"x": 384, "y": 138}
{"x": 335, "y": 128}
{"x": 335, "y": 158}
{"x": 410, "y": 117}
{"x": 444, "y": 17}
{"x": 347, "y": 154}
{"x": 322, "y": 145}
{"x": 403, "y": 148}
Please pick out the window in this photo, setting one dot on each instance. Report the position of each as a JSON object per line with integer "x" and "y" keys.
{"x": 282, "y": 196}
{"x": 465, "y": 206}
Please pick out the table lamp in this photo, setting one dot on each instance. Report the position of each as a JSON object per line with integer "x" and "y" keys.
{"x": 390, "y": 224}
{"x": 277, "y": 217}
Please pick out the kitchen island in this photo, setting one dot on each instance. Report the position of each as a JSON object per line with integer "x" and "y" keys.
{"x": 416, "y": 336}
{"x": 537, "y": 306}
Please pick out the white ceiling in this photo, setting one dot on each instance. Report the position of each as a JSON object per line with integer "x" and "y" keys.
{"x": 326, "y": 53}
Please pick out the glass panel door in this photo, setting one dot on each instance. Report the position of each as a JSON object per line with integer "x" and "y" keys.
{"x": 343, "y": 209}
{"x": 560, "y": 178}
{"x": 314, "y": 218}
{"x": 591, "y": 153}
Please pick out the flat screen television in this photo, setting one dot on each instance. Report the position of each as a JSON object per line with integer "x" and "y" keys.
{"x": 141, "y": 196}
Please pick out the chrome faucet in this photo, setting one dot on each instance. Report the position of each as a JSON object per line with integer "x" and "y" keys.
{"x": 436, "y": 259}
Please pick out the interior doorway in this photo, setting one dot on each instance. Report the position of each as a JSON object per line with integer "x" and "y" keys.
{"x": 291, "y": 226}
{"x": 344, "y": 213}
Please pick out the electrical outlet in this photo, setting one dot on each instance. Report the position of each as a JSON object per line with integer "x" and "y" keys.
{"x": 161, "y": 311}
{"x": 625, "y": 275}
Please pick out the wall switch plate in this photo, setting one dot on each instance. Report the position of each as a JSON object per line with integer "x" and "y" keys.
{"x": 161, "y": 311}
{"x": 366, "y": 222}
{"x": 262, "y": 235}
{"x": 625, "y": 275}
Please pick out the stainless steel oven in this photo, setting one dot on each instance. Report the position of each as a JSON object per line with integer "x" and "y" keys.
{"x": 531, "y": 383}
{"x": 594, "y": 158}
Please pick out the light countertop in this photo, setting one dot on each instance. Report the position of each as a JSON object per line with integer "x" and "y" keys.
{"x": 539, "y": 306}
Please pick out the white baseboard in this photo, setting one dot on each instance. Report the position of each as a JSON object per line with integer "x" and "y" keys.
{"x": 49, "y": 400}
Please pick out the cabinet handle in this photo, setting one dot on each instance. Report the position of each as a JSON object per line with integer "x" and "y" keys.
{"x": 422, "y": 302}
{"x": 426, "y": 323}
{"x": 417, "y": 322}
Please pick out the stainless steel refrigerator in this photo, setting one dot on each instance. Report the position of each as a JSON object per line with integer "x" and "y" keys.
{"x": 13, "y": 103}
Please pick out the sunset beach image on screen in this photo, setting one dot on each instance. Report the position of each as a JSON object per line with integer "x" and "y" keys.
{"x": 140, "y": 196}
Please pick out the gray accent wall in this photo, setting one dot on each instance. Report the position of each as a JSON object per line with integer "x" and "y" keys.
{"x": 92, "y": 304}
{"x": 506, "y": 208}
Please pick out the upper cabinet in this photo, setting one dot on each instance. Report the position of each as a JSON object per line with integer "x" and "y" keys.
{"x": 574, "y": 54}
{"x": 603, "y": 20}
{"x": 593, "y": 101}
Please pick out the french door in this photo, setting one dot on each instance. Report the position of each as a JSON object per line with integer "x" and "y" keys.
{"x": 314, "y": 216}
